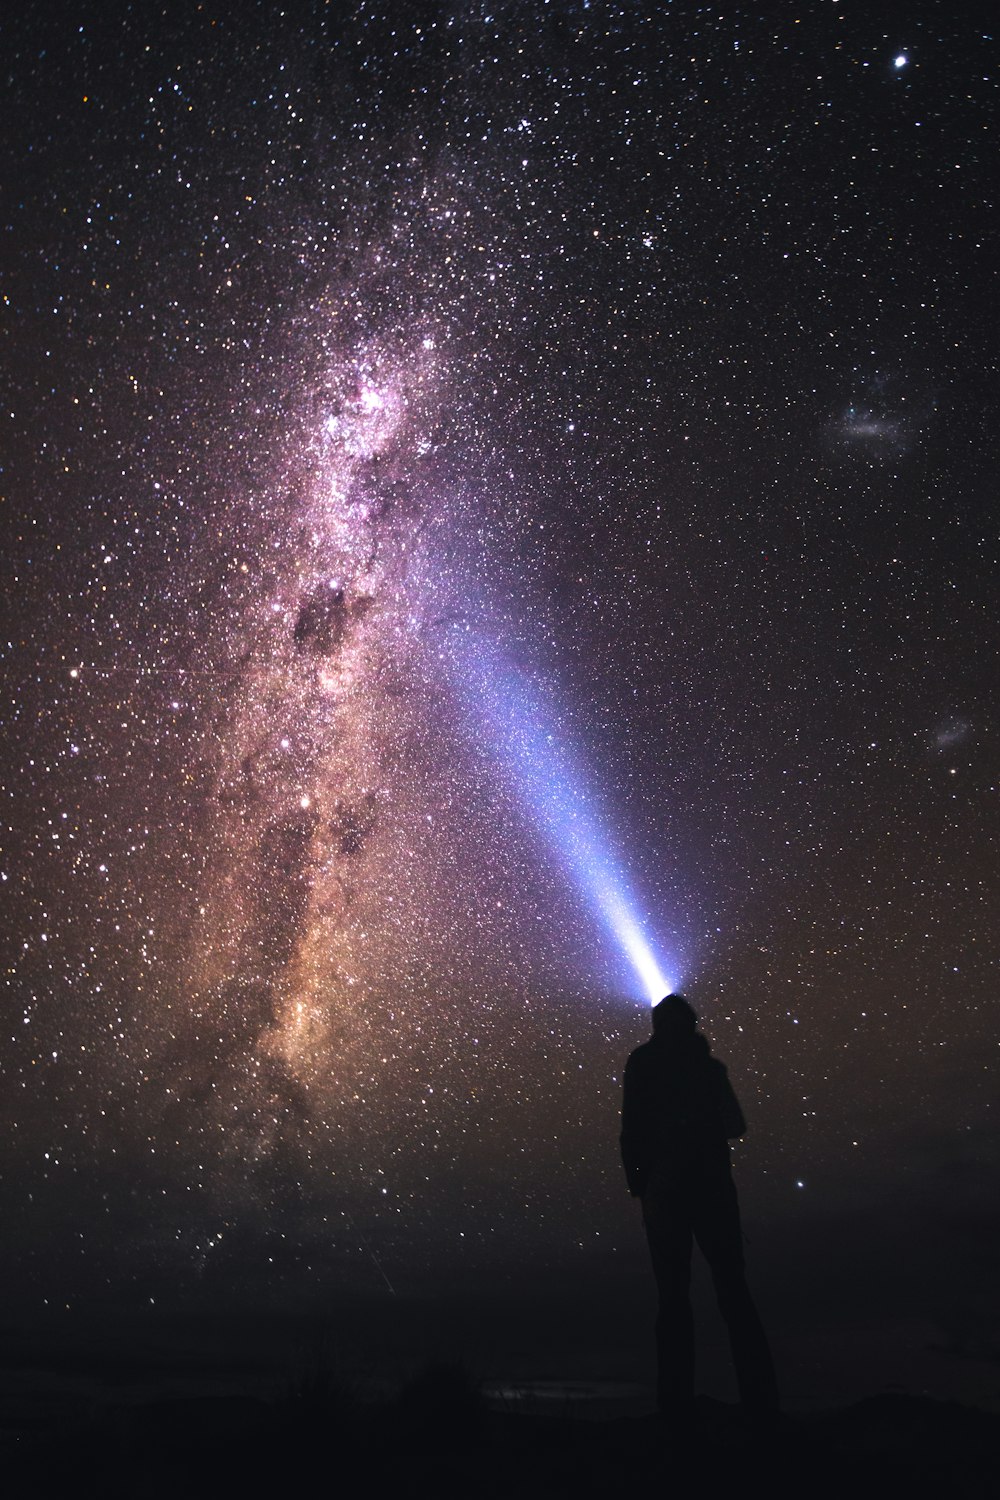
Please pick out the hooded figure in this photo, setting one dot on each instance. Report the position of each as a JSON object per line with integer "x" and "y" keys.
{"x": 679, "y": 1113}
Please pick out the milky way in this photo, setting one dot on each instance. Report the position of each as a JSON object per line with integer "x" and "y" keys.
{"x": 312, "y": 848}
{"x": 646, "y": 346}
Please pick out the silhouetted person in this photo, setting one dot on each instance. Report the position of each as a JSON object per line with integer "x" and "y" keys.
{"x": 678, "y": 1115}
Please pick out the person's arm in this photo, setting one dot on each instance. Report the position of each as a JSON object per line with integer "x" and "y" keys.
{"x": 631, "y": 1136}
{"x": 733, "y": 1118}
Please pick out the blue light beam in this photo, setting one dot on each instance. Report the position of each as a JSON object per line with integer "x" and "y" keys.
{"x": 550, "y": 784}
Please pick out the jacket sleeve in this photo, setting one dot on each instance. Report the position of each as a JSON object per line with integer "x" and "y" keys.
{"x": 633, "y": 1156}
{"x": 732, "y": 1115}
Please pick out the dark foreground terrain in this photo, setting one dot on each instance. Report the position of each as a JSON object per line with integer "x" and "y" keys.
{"x": 440, "y": 1435}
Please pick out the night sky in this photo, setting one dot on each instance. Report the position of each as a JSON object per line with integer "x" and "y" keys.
{"x": 430, "y": 431}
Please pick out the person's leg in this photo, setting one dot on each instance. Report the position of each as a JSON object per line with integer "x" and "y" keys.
{"x": 719, "y": 1234}
{"x": 668, "y": 1233}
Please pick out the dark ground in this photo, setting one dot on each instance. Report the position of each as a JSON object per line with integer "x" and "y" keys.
{"x": 515, "y": 1386}
{"x": 186, "y": 1421}
{"x": 438, "y": 1435}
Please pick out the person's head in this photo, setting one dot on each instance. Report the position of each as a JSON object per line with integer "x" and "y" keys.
{"x": 673, "y": 1018}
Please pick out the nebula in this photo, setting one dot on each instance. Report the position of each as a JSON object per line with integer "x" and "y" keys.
{"x": 312, "y": 848}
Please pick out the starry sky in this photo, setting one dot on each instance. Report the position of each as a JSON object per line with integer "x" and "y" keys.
{"x": 415, "y": 415}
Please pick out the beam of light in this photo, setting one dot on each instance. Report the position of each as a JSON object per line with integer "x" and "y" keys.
{"x": 552, "y": 787}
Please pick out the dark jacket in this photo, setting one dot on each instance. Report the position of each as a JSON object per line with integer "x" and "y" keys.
{"x": 678, "y": 1108}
